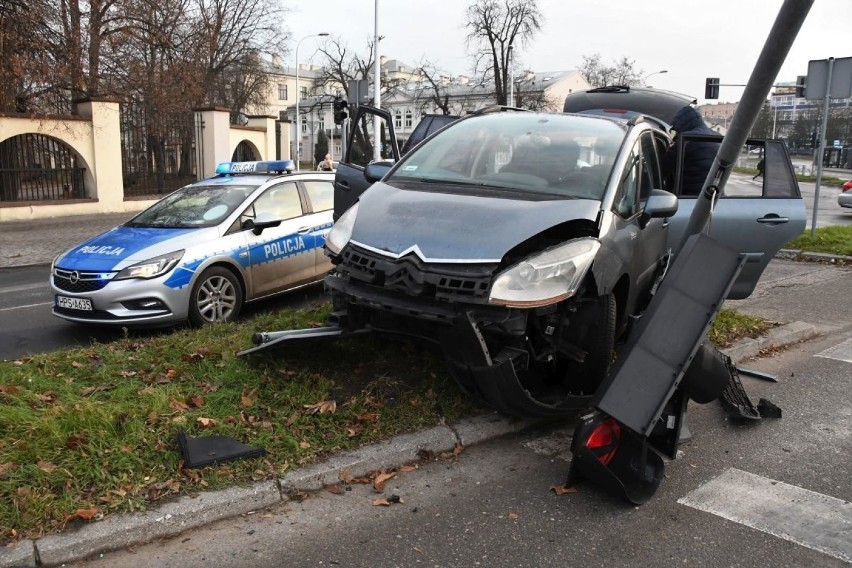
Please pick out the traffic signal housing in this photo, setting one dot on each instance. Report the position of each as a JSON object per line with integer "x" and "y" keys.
{"x": 340, "y": 107}
{"x": 711, "y": 88}
{"x": 800, "y": 86}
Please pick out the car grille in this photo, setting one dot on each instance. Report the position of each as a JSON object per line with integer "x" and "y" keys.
{"x": 412, "y": 276}
{"x": 78, "y": 282}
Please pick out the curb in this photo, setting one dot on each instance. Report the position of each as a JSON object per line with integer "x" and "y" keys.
{"x": 186, "y": 513}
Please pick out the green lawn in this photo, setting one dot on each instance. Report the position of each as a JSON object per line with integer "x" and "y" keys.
{"x": 832, "y": 240}
{"x": 90, "y": 431}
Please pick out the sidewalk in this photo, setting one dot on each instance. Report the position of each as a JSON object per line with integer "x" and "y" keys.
{"x": 27, "y": 243}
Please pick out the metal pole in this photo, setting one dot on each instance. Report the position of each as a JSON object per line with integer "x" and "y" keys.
{"x": 790, "y": 18}
{"x": 377, "y": 83}
{"x": 821, "y": 152}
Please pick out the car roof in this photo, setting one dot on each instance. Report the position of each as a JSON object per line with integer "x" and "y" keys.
{"x": 626, "y": 101}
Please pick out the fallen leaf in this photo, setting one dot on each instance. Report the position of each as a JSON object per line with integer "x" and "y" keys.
{"x": 88, "y": 514}
{"x": 345, "y": 476}
{"x": 408, "y": 468}
{"x": 7, "y": 468}
{"x": 195, "y": 401}
{"x": 563, "y": 490}
{"x": 177, "y": 405}
{"x": 336, "y": 489}
{"x": 513, "y": 516}
{"x": 88, "y": 390}
{"x": 246, "y": 401}
{"x": 304, "y": 445}
{"x": 370, "y": 417}
{"x": 322, "y": 407}
{"x": 46, "y": 466}
{"x": 205, "y": 422}
{"x": 47, "y": 396}
{"x": 387, "y": 501}
{"x": 8, "y": 389}
{"x": 76, "y": 364}
{"x": 381, "y": 479}
{"x": 74, "y": 441}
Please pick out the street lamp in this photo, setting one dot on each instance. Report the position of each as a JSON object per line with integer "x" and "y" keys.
{"x": 652, "y": 74}
{"x": 298, "y": 95}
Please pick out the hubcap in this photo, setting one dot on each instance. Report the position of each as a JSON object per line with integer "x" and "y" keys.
{"x": 216, "y": 299}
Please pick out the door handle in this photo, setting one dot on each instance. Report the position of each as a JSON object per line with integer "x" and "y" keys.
{"x": 304, "y": 230}
{"x": 342, "y": 185}
{"x": 773, "y": 219}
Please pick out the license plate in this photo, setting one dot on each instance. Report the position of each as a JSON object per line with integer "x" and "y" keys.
{"x": 74, "y": 303}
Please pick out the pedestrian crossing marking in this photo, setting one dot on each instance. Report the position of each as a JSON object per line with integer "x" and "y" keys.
{"x": 807, "y": 518}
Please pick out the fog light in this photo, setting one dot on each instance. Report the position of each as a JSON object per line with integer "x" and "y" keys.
{"x": 144, "y": 304}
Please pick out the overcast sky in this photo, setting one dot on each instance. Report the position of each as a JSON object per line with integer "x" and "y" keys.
{"x": 691, "y": 39}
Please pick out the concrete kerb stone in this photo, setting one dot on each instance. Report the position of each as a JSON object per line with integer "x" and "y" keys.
{"x": 167, "y": 520}
{"x": 186, "y": 513}
{"x": 397, "y": 451}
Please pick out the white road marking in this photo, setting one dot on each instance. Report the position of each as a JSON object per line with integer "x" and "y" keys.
{"x": 805, "y": 517}
{"x": 27, "y": 306}
{"x": 842, "y": 352}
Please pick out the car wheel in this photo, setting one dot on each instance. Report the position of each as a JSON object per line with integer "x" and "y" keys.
{"x": 596, "y": 336}
{"x": 216, "y": 297}
{"x": 601, "y": 342}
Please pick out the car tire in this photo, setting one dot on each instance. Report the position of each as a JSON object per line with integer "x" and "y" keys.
{"x": 216, "y": 297}
{"x": 602, "y": 338}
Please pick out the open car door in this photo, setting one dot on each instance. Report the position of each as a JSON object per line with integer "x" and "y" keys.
{"x": 349, "y": 179}
{"x": 754, "y": 216}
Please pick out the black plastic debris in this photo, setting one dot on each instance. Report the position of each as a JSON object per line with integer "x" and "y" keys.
{"x": 210, "y": 450}
{"x": 767, "y": 409}
{"x": 735, "y": 399}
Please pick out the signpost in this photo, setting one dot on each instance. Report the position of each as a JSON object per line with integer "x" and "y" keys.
{"x": 826, "y": 79}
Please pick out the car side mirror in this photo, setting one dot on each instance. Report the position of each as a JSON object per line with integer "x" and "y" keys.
{"x": 660, "y": 204}
{"x": 261, "y": 222}
{"x": 377, "y": 170}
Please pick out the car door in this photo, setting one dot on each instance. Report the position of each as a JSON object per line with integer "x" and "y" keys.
{"x": 349, "y": 179}
{"x": 320, "y": 198}
{"x": 753, "y": 216}
{"x": 279, "y": 257}
{"x": 640, "y": 244}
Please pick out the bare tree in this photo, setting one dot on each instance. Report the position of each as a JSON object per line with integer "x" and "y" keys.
{"x": 621, "y": 72}
{"x": 495, "y": 27}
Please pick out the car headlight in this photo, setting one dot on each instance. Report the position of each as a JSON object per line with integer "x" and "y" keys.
{"x": 547, "y": 277}
{"x": 151, "y": 268}
{"x": 340, "y": 234}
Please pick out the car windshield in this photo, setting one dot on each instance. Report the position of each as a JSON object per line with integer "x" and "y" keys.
{"x": 558, "y": 154}
{"x": 193, "y": 206}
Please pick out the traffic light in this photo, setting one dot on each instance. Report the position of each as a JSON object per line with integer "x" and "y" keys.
{"x": 800, "y": 86}
{"x": 340, "y": 114}
{"x": 711, "y": 88}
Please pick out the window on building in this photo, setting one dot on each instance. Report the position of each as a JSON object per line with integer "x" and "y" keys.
{"x": 397, "y": 119}
{"x": 303, "y": 92}
{"x": 322, "y": 123}
{"x": 408, "y": 119}
{"x": 304, "y": 124}
{"x": 282, "y": 91}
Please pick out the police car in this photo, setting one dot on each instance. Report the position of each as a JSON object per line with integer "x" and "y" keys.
{"x": 253, "y": 230}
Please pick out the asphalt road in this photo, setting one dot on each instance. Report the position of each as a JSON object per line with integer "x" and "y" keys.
{"x": 772, "y": 493}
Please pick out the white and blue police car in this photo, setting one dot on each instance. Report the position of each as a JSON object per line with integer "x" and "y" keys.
{"x": 197, "y": 255}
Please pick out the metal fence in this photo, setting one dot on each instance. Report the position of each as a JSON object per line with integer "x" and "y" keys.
{"x": 35, "y": 167}
{"x": 157, "y": 152}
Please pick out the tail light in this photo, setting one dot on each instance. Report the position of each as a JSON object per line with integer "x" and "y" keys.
{"x": 603, "y": 441}
{"x": 612, "y": 456}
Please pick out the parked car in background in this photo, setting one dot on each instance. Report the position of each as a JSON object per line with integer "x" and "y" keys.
{"x": 197, "y": 255}
{"x": 845, "y": 197}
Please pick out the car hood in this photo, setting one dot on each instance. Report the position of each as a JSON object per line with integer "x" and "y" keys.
{"x": 123, "y": 246}
{"x": 440, "y": 226}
